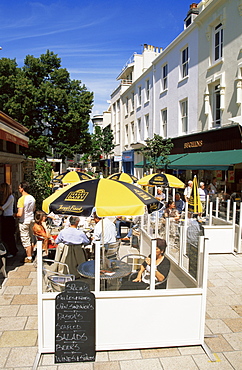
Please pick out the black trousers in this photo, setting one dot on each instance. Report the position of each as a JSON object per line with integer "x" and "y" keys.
{"x": 8, "y": 231}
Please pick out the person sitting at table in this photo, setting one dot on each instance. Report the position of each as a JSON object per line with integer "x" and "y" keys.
{"x": 171, "y": 211}
{"x": 72, "y": 235}
{"x": 108, "y": 229}
{"x": 142, "y": 279}
{"x": 40, "y": 228}
{"x": 179, "y": 203}
{"x": 123, "y": 221}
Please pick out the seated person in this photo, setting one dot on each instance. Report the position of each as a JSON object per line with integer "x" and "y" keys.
{"x": 108, "y": 230}
{"x": 122, "y": 221}
{"x": 72, "y": 235}
{"x": 40, "y": 228}
{"x": 160, "y": 195}
{"x": 142, "y": 280}
{"x": 179, "y": 203}
{"x": 56, "y": 220}
{"x": 171, "y": 211}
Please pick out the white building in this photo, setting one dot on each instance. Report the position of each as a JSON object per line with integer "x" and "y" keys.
{"x": 189, "y": 92}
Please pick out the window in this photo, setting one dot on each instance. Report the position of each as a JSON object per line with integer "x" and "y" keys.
{"x": 146, "y": 126}
{"x": 118, "y": 134}
{"x": 139, "y": 96}
{"x": 164, "y": 123}
{"x": 147, "y": 89}
{"x": 184, "y": 70}
{"x": 126, "y": 134}
{"x": 216, "y": 106}
{"x": 132, "y": 138}
{"x": 164, "y": 76}
{"x": 184, "y": 117}
{"x": 218, "y": 42}
{"x": 138, "y": 130}
{"x": 132, "y": 101}
{"x": 127, "y": 106}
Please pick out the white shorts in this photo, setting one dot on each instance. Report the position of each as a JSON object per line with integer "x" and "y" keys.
{"x": 26, "y": 234}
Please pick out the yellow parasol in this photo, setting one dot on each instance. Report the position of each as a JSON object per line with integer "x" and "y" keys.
{"x": 71, "y": 177}
{"x": 194, "y": 203}
{"x": 110, "y": 198}
{"x": 122, "y": 176}
{"x": 161, "y": 179}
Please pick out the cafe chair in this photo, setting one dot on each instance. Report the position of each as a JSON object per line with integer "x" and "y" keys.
{"x": 135, "y": 260}
{"x": 158, "y": 284}
{"x": 54, "y": 280}
{"x": 72, "y": 255}
{"x": 112, "y": 250}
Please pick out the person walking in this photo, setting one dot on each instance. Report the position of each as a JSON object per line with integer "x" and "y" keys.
{"x": 26, "y": 208}
{"x": 8, "y": 221}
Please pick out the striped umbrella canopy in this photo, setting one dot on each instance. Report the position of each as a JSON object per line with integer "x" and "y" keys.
{"x": 194, "y": 202}
{"x": 161, "y": 179}
{"x": 110, "y": 198}
{"x": 71, "y": 177}
{"x": 122, "y": 176}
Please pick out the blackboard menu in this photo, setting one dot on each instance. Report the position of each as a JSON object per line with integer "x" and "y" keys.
{"x": 75, "y": 324}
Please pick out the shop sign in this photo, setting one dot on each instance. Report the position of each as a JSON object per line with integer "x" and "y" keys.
{"x": 219, "y": 175}
{"x": 193, "y": 144}
{"x": 117, "y": 158}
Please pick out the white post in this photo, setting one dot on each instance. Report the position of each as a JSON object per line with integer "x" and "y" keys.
{"x": 173, "y": 194}
{"x": 184, "y": 241}
{"x": 216, "y": 212}
{"x": 240, "y": 230}
{"x": 153, "y": 265}
{"x": 210, "y": 213}
{"x": 228, "y": 209}
{"x": 97, "y": 266}
{"x": 156, "y": 223}
{"x": 167, "y": 194}
{"x": 207, "y": 203}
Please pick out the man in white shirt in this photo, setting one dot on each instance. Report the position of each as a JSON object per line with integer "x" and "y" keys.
{"x": 26, "y": 208}
{"x": 104, "y": 229}
{"x": 188, "y": 190}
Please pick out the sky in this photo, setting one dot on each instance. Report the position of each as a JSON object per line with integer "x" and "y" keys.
{"x": 93, "y": 38}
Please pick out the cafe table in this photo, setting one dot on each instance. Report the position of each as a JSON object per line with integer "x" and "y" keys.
{"x": 118, "y": 270}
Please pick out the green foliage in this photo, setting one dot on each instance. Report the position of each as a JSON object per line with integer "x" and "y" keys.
{"x": 156, "y": 152}
{"x": 39, "y": 182}
{"x": 54, "y": 108}
{"x": 102, "y": 142}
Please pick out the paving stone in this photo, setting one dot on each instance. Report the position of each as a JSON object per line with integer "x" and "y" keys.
{"x": 13, "y": 290}
{"x": 18, "y": 282}
{"x": 76, "y": 366}
{"x": 25, "y": 299}
{"x": 18, "y": 274}
{"x": 218, "y": 344}
{"x": 28, "y": 310}
{"x": 54, "y": 367}
{"x": 32, "y": 323}
{"x": 190, "y": 350}
{"x": 47, "y": 359}
{"x": 152, "y": 363}
{"x": 234, "y": 324}
{"x": 238, "y": 309}
{"x": 218, "y": 326}
{"x": 235, "y": 340}
{"x": 26, "y": 338}
{"x": 204, "y": 363}
{"x": 102, "y": 356}
{"x": 221, "y": 290}
{"x": 112, "y": 365}
{"x": 21, "y": 357}
{"x": 6, "y": 299}
{"x": 230, "y": 299}
{"x": 9, "y": 310}
{"x": 31, "y": 289}
{"x": 235, "y": 358}
{"x": 124, "y": 355}
{"x": 222, "y": 312}
{"x": 182, "y": 362}
{"x": 159, "y": 352}
{"x": 15, "y": 323}
{"x": 27, "y": 267}
{"x": 4, "y": 352}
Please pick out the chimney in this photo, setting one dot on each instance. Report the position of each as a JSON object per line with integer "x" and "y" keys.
{"x": 191, "y": 15}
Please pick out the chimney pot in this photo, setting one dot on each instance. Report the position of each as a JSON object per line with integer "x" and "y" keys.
{"x": 193, "y": 5}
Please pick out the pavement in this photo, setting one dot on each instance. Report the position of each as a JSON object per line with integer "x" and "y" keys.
{"x": 18, "y": 326}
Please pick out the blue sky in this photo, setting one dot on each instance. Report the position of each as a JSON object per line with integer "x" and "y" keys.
{"x": 93, "y": 38}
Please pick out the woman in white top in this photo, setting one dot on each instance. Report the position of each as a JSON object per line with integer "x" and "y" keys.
{"x": 8, "y": 221}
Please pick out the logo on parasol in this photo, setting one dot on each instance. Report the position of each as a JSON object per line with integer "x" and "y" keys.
{"x": 78, "y": 195}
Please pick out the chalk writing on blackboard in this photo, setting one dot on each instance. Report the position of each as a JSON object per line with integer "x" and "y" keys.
{"x": 75, "y": 324}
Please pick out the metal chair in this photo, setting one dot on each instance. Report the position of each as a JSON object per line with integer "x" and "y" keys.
{"x": 54, "y": 280}
{"x": 158, "y": 284}
{"x": 112, "y": 250}
{"x": 135, "y": 260}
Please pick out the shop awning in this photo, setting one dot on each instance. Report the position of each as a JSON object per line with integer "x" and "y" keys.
{"x": 171, "y": 157}
{"x": 220, "y": 160}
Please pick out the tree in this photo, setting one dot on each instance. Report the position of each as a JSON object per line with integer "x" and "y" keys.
{"x": 39, "y": 181}
{"x": 156, "y": 152}
{"x": 42, "y": 97}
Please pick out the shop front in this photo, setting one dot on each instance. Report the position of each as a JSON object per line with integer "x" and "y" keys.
{"x": 128, "y": 161}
